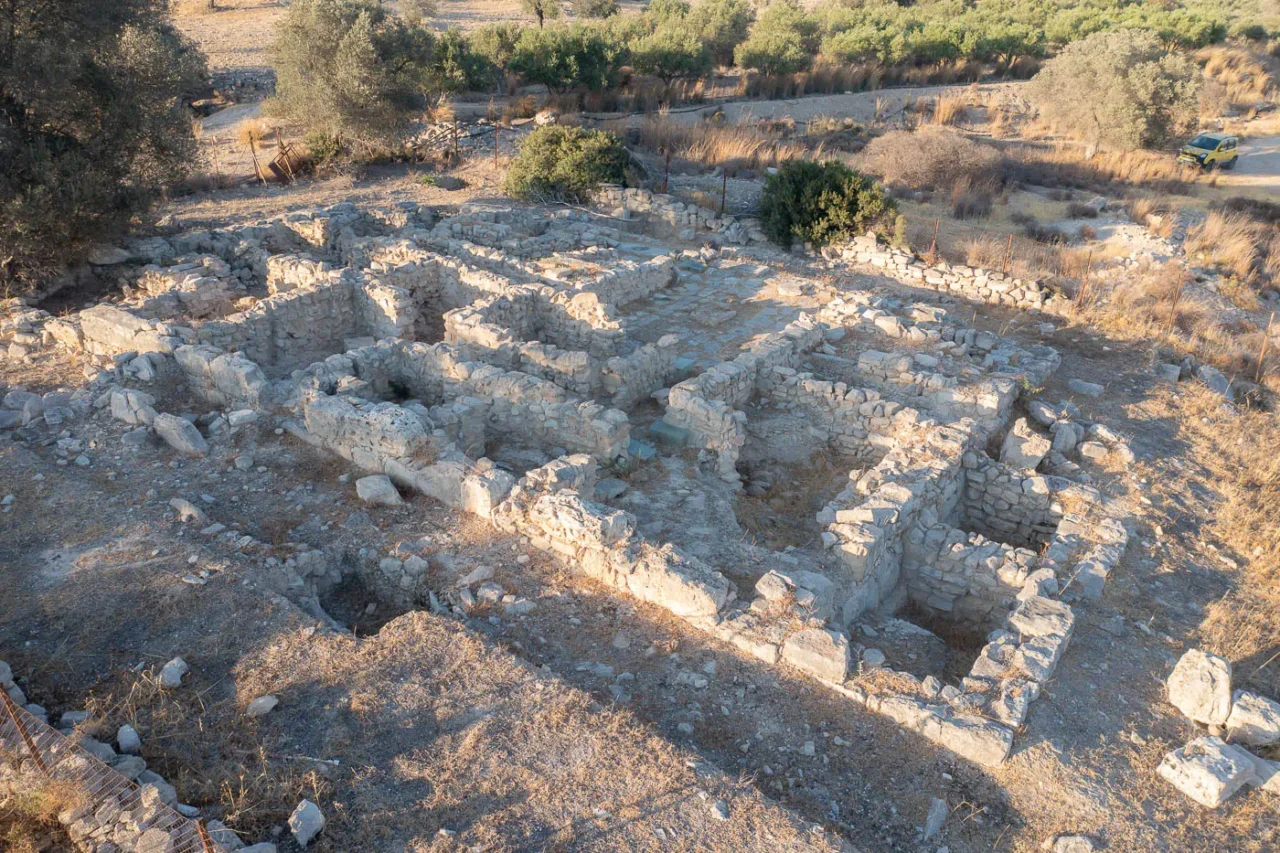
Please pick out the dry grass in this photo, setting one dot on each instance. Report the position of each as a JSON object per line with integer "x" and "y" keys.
{"x": 252, "y": 132}
{"x": 932, "y": 158}
{"x": 1157, "y": 213}
{"x": 1235, "y": 241}
{"x": 1245, "y": 76}
{"x": 1067, "y": 165}
{"x": 949, "y": 110}
{"x": 741, "y": 145}
{"x": 1238, "y": 452}
{"x": 29, "y": 819}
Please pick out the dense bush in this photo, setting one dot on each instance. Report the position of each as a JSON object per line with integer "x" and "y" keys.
{"x": 784, "y": 40}
{"x": 562, "y": 57}
{"x": 819, "y": 203}
{"x": 721, "y": 25}
{"x": 92, "y": 125}
{"x": 932, "y": 158}
{"x": 565, "y": 164}
{"x": 348, "y": 69}
{"x": 597, "y": 8}
{"x": 1121, "y": 89}
{"x": 669, "y": 52}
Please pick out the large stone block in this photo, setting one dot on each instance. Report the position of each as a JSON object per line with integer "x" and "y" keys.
{"x": 1254, "y": 720}
{"x": 820, "y": 652}
{"x": 1200, "y": 687}
{"x": 180, "y": 434}
{"x": 1208, "y": 770}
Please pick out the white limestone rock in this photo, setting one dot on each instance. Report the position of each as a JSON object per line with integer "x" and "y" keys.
{"x": 172, "y": 672}
{"x": 823, "y": 653}
{"x": 128, "y": 741}
{"x": 1023, "y": 446}
{"x": 1200, "y": 687}
{"x": 261, "y": 706}
{"x": 1208, "y": 770}
{"x": 378, "y": 490}
{"x": 180, "y": 434}
{"x": 1254, "y": 720}
{"x": 306, "y": 822}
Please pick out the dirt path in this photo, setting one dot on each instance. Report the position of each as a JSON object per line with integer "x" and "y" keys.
{"x": 1258, "y": 172}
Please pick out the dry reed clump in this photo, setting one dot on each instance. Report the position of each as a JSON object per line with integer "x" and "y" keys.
{"x": 743, "y": 145}
{"x": 1067, "y": 165}
{"x": 1155, "y": 212}
{"x": 1235, "y": 241}
{"x": 1245, "y": 76}
{"x": 932, "y": 158}
{"x": 252, "y": 132}
{"x": 949, "y": 110}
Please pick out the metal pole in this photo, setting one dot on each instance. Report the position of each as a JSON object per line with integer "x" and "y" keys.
{"x": 206, "y": 843}
{"x": 495, "y": 146}
{"x": 666, "y": 174}
{"x": 724, "y": 189}
{"x": 12, "y": 708}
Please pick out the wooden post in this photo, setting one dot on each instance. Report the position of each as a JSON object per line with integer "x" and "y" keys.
{"x": 1262, "y": 353}
{"x": 933, "y": 247}
{"x": 1168, "y": 328}
{"x": 666, "y": 173}
{"x": 724, "y": 188}
{"x": 1008, "y": 250}
{"x": 495, "y": 146}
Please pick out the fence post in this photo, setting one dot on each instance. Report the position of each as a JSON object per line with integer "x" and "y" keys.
{"x": 666, "y": 174}
{"x": 1084, "y": 282}
{"x": 933, "y": 247}
{"x": 1008, "y": 250}
{"x": 495, "y": 146}
{"x": 724, "y": 188}
{"x": 12, "y": 708}
{"x": 1262, "y": 353}
{"x": 206, "y": 843}
{"x": 1177, "y": 294}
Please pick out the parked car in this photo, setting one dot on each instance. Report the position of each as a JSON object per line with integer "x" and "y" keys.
{"x": 1210, "y": 149}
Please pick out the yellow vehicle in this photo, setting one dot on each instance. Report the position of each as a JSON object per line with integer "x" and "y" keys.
{"x": 1210, "y": 149}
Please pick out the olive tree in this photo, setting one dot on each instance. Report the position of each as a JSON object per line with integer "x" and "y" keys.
{"x": 93, "y": 125}
{"x": 1121, "y": 89}
{"x": 346, "y": 68}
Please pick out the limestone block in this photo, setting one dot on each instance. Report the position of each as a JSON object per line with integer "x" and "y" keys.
{"x": 825, "y": 654}
{"x": 378, "y": 490}
{"x": 180, "y": 434}
{"x": 1208, "y": 770}
{"x": 1039, "y": 616}
{"x": 482, "y": 492}
{"x": 974, "y": 738}
{"x": 1254, "y": 720}
{"x": 1024, "y": 447}
{"x": 679, "y": 582}
{"x": 1200, "y": 687}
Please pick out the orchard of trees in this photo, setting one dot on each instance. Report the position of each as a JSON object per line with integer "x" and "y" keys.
{"x": 353, "y": 69}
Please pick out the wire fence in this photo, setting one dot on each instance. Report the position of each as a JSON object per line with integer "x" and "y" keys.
{"x": 61, "y": 759}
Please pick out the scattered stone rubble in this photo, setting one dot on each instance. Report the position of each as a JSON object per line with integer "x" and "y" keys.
{"x": 1211, "y": 769}
{"x": 429, "y": 354}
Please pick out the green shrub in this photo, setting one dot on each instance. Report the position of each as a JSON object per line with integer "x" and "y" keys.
{"x": 783, "y": 41}
{"x": 495, "y": 45}
{"x": 901, "y": 238}
{"x": 347, "y": 68}
{"x": 542, "y": 10}
{"x": 670, "y": 52}
{"x": 563, "y": 57}
{"x": 93, "y": 126}
{"x": 565, "y": 164}
{"x": 597, "y": 8}
{"x": 722, "y": 25}
{"x": 1120, "y": 89}
{"x": 819, "y": 203}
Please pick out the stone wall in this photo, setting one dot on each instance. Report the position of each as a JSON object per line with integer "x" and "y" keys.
{"x": 963, "y": 576}
{"x": 855, "y": 422}
{"x": 226, "y": 380}
{"x": 1008, "y": 505}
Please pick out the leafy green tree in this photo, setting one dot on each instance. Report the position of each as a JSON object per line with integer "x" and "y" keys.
{"x": 495, "y": 45}
{"x": 455, "y": 66}
{"x": 542, "y": 10}
{"x": 1119, "y": 89}
{"x": 819, "y": 203}
{"x": 783, "y": 41}
{"x": 563, "y": 57}
{"x": 348, "y": 69}
{"x": 722, "y": 25}
{"x": 598, "y": 9}
{"x": 565, "y": 164}
{"x": 671, "y": 52}
{"x": 659, "y": 12}
{"x": 93, "y": 125}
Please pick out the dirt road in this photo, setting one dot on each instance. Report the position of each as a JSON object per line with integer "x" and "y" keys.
{"x": 1258, "y": 172}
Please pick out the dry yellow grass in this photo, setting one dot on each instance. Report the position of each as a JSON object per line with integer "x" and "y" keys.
{"x": 1234, "y": 241}
{"x": 949, "y": 110}
{"x": 1157, "y": 213}
{"x": 1246, "y": 76}
{"x": 29, "y": 819}
{"x": 742, "y": 145}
